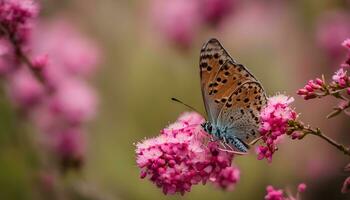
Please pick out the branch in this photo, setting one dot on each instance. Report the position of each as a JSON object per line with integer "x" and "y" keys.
{"x": 306, "y": 130}
{"x": 21, "y": 56}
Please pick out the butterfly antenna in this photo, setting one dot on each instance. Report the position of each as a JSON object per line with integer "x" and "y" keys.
{"x": 188, "y": 106}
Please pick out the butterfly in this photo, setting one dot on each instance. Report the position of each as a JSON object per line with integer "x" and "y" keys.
{"x": 233, "y": 98}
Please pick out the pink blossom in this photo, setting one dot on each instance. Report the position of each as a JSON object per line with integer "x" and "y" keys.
{"x": 301, "y": 187}
{"x": 227, "y": 178}
{"x": 7, "y": 58}
{"x": 332, "y": 30}
{"x": 273, "y": 194}
{"x": 70, "y": 146}
{"x": 75, "y": 101}
{"x": 177, "y": 20}
{"x": 178, "y": 158}
{"x": 274, "y": 123}
{"x": 71, "y": 53}
{"x": 214, "y": 11}
{"x": 15, "y": 17}
{"x": 40, "y": 61}
{"x": 346, "y": 44}
{"x": 340, "y": 77}
{"x": 25, "y": 90}
{"x": 310, "y": 89}
{"x": 278, "y": 194}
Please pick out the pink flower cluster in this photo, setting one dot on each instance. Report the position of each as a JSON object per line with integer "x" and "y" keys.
{"x": 51, "y": 89}
{"x": 214, "y": 11}
{"x": 333, "y": 28}
{"x": 15, "y": 18}
{"x": 180, "y": 20}
{"x": 179, "y": 158}
{"x": 346, "y": 44}
{"x": 274, "y": 123}
{"x": 310, "y": 89}
{"x": 69, "y": 102}
{"x": 277, "y": 194}
{"x": 341, "y": 78}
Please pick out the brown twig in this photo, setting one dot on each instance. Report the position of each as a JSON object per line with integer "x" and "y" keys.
{"x": 306, "y": 130}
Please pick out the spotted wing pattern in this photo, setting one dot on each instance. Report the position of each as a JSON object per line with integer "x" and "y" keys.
{"x": 232, "y": 95}
{"x": 212, "y": 57}
{"x": 240, "y": 113}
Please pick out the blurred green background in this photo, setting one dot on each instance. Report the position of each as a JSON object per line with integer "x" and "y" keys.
{"x": 141, "y": 71}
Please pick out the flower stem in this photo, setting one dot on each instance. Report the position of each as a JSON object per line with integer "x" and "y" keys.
{"x": 317, "y": 132}
{"x": 21, "y": 56}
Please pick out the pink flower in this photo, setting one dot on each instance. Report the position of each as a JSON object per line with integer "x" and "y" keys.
{"x": 274, "y": 123}
{"x": 25, "y": 90}
{"x": 40, "y": 62}
{"x": 214, "y": 11}
{"x": 332, "y": 30}
{"x": 273, "y": 194}
{"x": 227, "y": 178}
{"x": 346, "y": 44}
{"x": 278, "y": 194}
{"x": 74, "y": 101}
{"x": 301, "y": 187}
{"x": 178, "y": 158}
{"x": 7, "y": 57}
{"x": 177, "y": 20}
{"x": 340, "y": 77}
{"x": 71, "y": 53}
{"x": 15, "y": 16}
{"x": 70, "y": 146}
{"x": 308, "y": 92}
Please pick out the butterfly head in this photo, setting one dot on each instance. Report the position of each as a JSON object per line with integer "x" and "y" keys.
{"x": 209, "y": 128}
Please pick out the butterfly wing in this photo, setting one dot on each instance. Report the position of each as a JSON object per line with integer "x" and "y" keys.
{"x": 212, "y": 57}
{"x": 233, "y": 97}
{"x": 240, "y": 114}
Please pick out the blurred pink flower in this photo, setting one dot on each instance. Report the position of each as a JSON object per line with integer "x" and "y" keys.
{"x": 70, "y": 146}
{"x": 71, "y": 53}
{"x": 179, "y": 158}
{"x": 274, "y": 123}
{"x": 346, "y": 44}
{"x": 40, "y": 61}
{"x": 214, "y": 11}
{"x": 340, "y": 77}
{"x": 301, "y": 187}
{"x": 15, "y": 16}
{"x": 75, "y": 101}
{"x": 227, "y": 178}
{"x": 177, "y": 20}
{"x": 273, "y": 194}
{"x": 7, "y": 60}
{"x": 278, "y": 194}
{"x": 332, "y": 30}
{"x": 25, "y": 90}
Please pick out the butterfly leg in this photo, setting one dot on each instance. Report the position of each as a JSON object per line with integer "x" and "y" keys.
{"x": 254, "y": 141}
{"x": 228, "y": 148}
{"x": 237, "y": 143}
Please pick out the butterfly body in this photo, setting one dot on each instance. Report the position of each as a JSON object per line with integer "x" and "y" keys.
{"x": 233, "y": 97}
{"x": 222, "y": 134}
